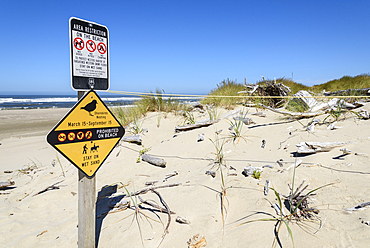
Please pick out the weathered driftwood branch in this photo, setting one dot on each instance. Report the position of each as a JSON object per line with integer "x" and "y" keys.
{"x": 363, "y": 91}
{"x": 168, "y": 213}
{"x": 48, "y": 188}
{"x": 133, "y": 139}
{"x": 295, "y": 164}
{"x": 297, "y": 115}
{"x": 155, "y": 206}
{"x": 313, "y": 147}
{"x": 194, "y": 126}
{"x": 6, "y": 184}
{"x": 169, "y": 175}
{"x": 153, "y": 160}
{"x": 146, "y": 190}
{"x": 361, "y": 206}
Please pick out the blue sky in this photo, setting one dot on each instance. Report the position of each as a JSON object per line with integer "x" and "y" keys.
{"x": 186, "y": 46}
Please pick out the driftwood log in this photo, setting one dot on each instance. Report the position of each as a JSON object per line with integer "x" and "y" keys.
{"x": 349, "y": 91}
{"x": 6, "y": 184}
{"x": 297, "y": 115}
{"x": 133, "y": 139}
{"x": 313, "y": 147}
{"x": 194, "y": 126}
{"x": 153, "y": 160}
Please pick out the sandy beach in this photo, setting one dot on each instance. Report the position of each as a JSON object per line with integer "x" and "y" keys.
{"x": 49, "y": 219}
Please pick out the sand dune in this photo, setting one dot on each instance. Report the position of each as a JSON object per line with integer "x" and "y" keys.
{"x": 50, "y": 219}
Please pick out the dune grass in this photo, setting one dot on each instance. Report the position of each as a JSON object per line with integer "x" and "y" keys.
{"x": 155, "y": 102}
{"x": 225, "y": 88}
{"x": 347, "y": 82}
{"x": 152, "y": 102}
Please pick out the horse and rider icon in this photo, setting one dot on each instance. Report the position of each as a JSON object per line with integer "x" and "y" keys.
{"x": 92, "y": 148}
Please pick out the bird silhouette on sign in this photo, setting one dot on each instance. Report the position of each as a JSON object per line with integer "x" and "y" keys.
{"x": 90, "y": 107}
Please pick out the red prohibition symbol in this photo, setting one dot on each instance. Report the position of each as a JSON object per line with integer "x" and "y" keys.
{"x": 88, "y": 134}
{"x": 78, "y": 43}
{"x": 90, "y": 45}
{"x": 71, "y": 136}
{"x": 102, "y": 48}
{"x": 62, "y": 137}
{"x": 80, "y": 135}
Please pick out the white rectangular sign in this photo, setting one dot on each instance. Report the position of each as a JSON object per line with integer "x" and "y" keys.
{"x": 89, "y": 55}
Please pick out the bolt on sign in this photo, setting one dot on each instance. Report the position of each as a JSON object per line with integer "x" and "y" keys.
{"x": 87, "y": 134}
{"x": 89, "y": 55}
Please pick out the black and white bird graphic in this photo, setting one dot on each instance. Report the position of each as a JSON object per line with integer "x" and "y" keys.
{"x": 90, "y": 107}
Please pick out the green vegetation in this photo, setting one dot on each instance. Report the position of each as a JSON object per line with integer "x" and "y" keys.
{"x": 225, "y": 88}
{"x": 257, "y": 174}
{"x": 155, "y": 102}
{"x": 299, "y": 211}
{"x": 344, "y": 83}
{"x": 151, "y": 102}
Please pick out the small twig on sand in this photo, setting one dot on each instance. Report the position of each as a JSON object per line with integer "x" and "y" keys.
{"x": 168, "y": 213}
{"x": 49, "y": 187}
{"x": 146, "y": 190}
{"x": 6, "y": 184}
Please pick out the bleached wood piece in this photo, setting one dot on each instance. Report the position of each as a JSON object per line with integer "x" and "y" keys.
{"x": 364, "y": 114}
{"x": 361, "y": 206}
{"x": 295, "y": 164}
{"x": 260, "y": 114}
{"x": 313, "y": 147}
{"x": 169, "y": 175}
{"x": 211, "y": 173}
{"x": 297, "y": 115}
{"x": 200, "y": 137}
{"x": 53, "y": 186}
{"x": 194, "y": 126}
{"x": 133, "y": 139}
{"x": 246, "y": 121}
{"x": 266, "y": 188}
{"x": 249, "y": 170}
{"x": 153, "y": 160}
{"x": 333, "y": 126}
{"x": 144, "y": 191}
{"x": 182, "y": 220}
{"x": 6, "y": 184}
{"x": 155, "y": 206}
{"x": 345, "y": 151}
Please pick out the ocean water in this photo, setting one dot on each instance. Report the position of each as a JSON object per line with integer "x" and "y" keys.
{"x": 61, "y": 101}
{"x": 55, "y": 101}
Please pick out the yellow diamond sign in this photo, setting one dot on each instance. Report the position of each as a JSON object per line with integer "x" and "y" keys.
{"x": 87, "y": 134}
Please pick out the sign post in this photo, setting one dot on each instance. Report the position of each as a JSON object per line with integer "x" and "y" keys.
{"x": 86, "y": 207}
{"x": 88, "y": 133}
